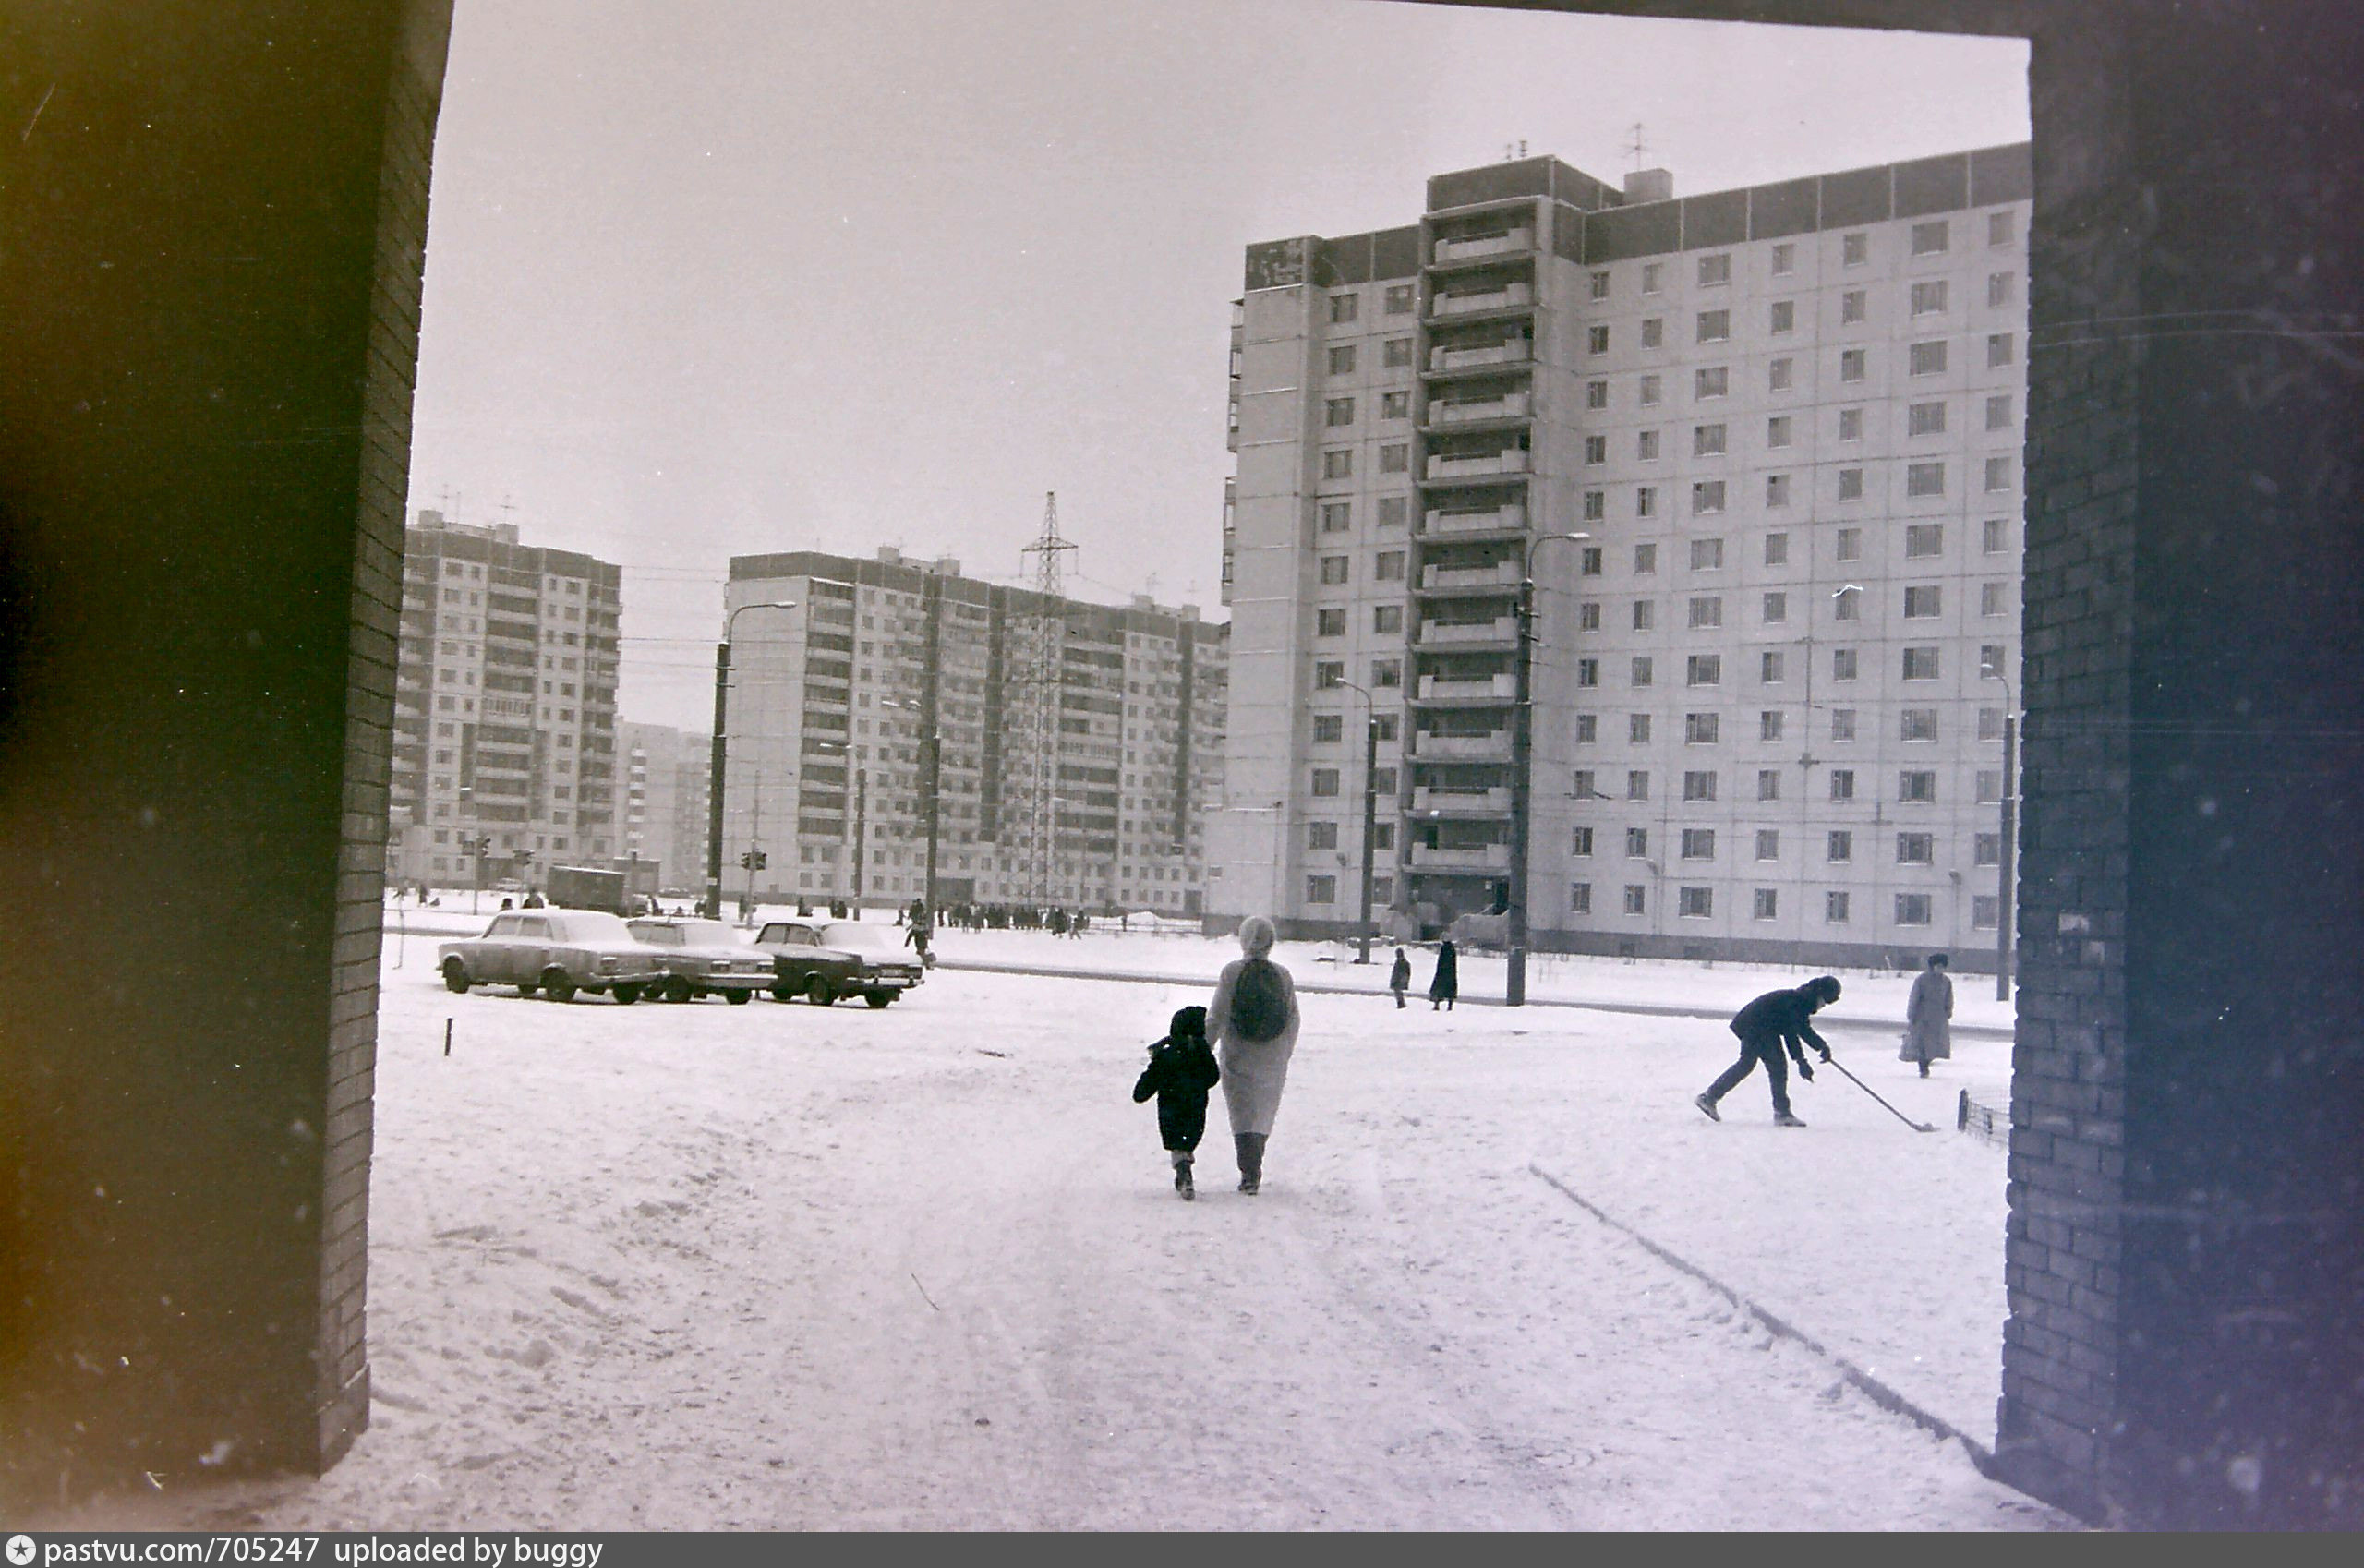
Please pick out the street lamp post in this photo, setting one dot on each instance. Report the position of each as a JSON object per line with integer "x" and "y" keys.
{"x": 713, "y": 784}
{"x": 1522, "y": 749}
{"x": 1370, "y": 809}
{"x": 2003, "y": 859}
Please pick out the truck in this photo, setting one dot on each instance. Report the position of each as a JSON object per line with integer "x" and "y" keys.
{"x": 586, "y": 887}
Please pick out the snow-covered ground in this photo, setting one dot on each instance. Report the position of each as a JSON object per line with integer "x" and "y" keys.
{"x": 780, "y": 1267}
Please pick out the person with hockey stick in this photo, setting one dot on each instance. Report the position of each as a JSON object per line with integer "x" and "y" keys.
{"x": 1776, "y": 1021}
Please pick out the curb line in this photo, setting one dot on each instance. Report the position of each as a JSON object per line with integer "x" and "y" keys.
{"x": 1869, "y": 1386}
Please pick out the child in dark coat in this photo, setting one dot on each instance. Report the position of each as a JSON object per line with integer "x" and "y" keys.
{"x": 1181, "y": 1069}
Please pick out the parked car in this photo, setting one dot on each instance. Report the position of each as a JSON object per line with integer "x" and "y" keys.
{"x": 556, "y": 952}
{"x": 704, "y": 958}
{"x": 824, "y": 960}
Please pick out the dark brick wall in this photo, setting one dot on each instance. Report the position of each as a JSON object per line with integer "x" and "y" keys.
{"x": 210, "y": 240}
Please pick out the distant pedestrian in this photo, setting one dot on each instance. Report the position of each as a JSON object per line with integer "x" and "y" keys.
{"x": 1928, "y": 1036}
{"x": 1445, "y": 985}
{"x": 508, "y": 904}
{"x": 1181, "y": 1069}
{"x": 535, "y": 901}
{"x": 1254, "y": 1020}
{"x": 1774, "y": 1021}
{"x": 1399, "y": 979}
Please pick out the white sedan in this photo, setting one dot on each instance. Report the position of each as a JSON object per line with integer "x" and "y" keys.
{"x": 556, "y": 952}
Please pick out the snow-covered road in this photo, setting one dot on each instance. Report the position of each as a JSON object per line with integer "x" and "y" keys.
{"x": 778, "y": 1267}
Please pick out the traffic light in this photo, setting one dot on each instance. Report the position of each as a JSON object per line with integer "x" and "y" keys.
{"x": 754, "y": 860}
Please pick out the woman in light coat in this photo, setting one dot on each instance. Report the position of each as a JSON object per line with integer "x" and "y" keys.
{"x": 1254, "y": 1071}
{"x": 1928, "y": 1037}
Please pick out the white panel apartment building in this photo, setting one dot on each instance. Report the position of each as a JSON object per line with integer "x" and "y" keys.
{"x": 1788, "y": 421}
{"x": 504, "y": 707}
{"x": 831, "y": 703}
{"x": 664, "y": 774}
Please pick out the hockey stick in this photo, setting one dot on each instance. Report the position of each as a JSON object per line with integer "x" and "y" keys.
{"x": 1900, "y": 1115}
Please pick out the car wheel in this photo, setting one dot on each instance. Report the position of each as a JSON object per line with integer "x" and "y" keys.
{"x": 456, "y": 975}
{"x": 526, "y": 988}
{"x": 820, "y": 992}
{"x": 737, "y": 999}
{"x": 627, "y": 993}
{"x": 878, "y": 998}
{"x": 782, "y": 993}
{"x": 679, "y": 989}
{"x": 556, "y": 987}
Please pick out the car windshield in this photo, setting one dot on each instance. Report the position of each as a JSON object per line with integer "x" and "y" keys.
{"x": 657, "y": 934}
{"x": 854, "y": 936}
{"x": 711, "y": 933}
{"x": 592, "y": 925}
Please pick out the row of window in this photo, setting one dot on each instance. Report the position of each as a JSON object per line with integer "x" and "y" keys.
{"x": 1930, "y": 298}
{"x": 1932, "y": 237}
{"x": 1922, "y": 601}
{"x": 1837, "y": 907}
{"x": 1923, "y": 481}
{"x": 1927, "y": 357}
{"x": 1713, "y": 440}
{"x": 1701, "y": 785}
{"x": 1921, "y": 539}
{"x": 1772, "y": 668}
{"x": 1702, "y": 728}
{"x": 1839, "y": 845}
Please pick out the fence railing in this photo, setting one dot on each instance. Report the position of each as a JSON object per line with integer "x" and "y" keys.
{"x": 1989, "y": 1124}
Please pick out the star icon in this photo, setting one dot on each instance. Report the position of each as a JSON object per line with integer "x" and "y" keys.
{"x": 20, "y": 1550}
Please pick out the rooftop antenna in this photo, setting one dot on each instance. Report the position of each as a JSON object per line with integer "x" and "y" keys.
{"x": 1637, "y": 146}
{"x": 1514, "y": 150}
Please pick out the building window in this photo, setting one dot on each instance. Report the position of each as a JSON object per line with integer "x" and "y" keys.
{"x": 1653, "y": 391}
{"x": 1700, "y": 729}
{"x": 1777, "y": 430}
{"x": 1998, "y": 349}
{"x": 1989, "y": 786}
{"x": 1637, "y": 728}
{"x": 1337, "y": 516}
{"x": 1854, "y": 249}
{"x": 1699, "y": 785}
{"x": 1320, "y": 889}
{"x": 1714, "y": 326}
{"x": 1386, "y": 674}
{"x": 1926, "y": 359}
{"x": 1854, "y": 306}
{"x": 1849, "y": 544}
{"x": 1923, "y": 539}
{"x": 1589, "y": 616}
{"x": 1834, "y": 909}
{"x": 1769, "y": 783}
{"x": 1768, "y": 844}
{"x": 1340, "y": 411}
{"x": 1697, "y": 903}
{"x": 1784, "y": 315}
{"x": 1333, "y": 569}
{"x": 1382, "y": 781}
{"x": 1767, "y": 903}
{"x": 1993, "y": 537}
{"x": 1654, "y": 332}
{"x": 1706, "y": 498}
{"x": 1851, "y": 483}
{"x": 1587, "y": 728}
{"x": 1321, "y": 835}
{"x": 1706, "y": 554}
{"x": 1715, "y": 270}
{"x": 1998, "y": 412}
{"x": 1587, "y": 672}
{"x": 1580, "y": 788}
{"x": 1595, "y": 451}
{"x": 1930, "y": 238}
{"x": 1396, "y": 354}
{"x": 1853, "y": 364}
{"x": 1395, "y": 459}
{"x": 1769, "y": 724}
{"x": 1580, "y": 842}
{"x": 1327, "y": 673}
{"x": 1990, "y": 724}
{"x": 1393, "y": 511}
{"x": 1330, "y": 623}
{"x": 1781, "y": 374}
{"x": 1912, "y": 909}
{"x": 1580, "y": 898}
{"x": 1707, "y": 612}
{"x": 1998, "y": 228}
{"x": 1600, "y": 285}
{"x": 1775, "y": 609}
{"x": 1842, "y": 664}
{"x": 1711, "y": 380}
{"x": 1994, "y": 599}
{"x": 1646, "y": 559}
{"x": 1596, "y": 339}
{"x": 1842, "y": 783}
{"x": 1998, "y": 474}
{"x": 1384, "y": 724}
{"x": 1637, "y": 785}
{"x": 1641, "y": 671}
{"x": 1588, "y": 560}
{"x": 1925, "y": 419}
{"x": 1646, "y": 501}
{"x": 1998, "y": 289}
{"x": 1840, "y": 847}
{"x": 1707, "y": 441}
{"x": 1985, "y": 911}
{"x": 1388, "y": 566}
{"x": 1637, "y": 899}
{"x": 1771, "y": 670}
{"x": 1595, "y": 503}
{"x": 1652, "y": 272}
{"x": 1986, "y": 848}
{"x": 1400, "y": 299}
{"x": 1596, "y": 394}
{"x": 1776, "y": 549}
{"x": 1386, "y": 618}
{"x": 1842, "y": 724}
{"x": 1917, "y": 849}
{"x": 1924, "y": 601}
{"x": 1850, "y": 424}
{"x": 1698, "y": 844}
{"x": 1929, "y": 298}
{"x": 1325, "y": 782}
{"x": 1339, "y": 464}
{"x": 1395, "y": 405}
{"x": 1343, "y": 307}
{"x": 1637, "y": 843}
{"x": 1785, "y": 260}
{"x": 1917, "y": 723}
{"x": 1645, "y": 446}
{"x": 1383, "y": 889}
{"x": 1921, "y": 664}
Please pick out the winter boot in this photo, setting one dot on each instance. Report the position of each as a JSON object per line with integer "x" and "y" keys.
{"x": 1708, "y": 1105}
{"x": 1182, "y": 1180}
{"x": 1783, "y": 1118}
{"x": 1250, "y": 1148}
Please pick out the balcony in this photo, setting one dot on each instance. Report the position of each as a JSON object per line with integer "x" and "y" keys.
{"x": 1517, "y": 351}
{"x": 1502, "y": 631}
{"x": 1464, "y": 411}
{"x": 1446, "y": 579}
{"x": 1509, "y": 296}
{"x": 1490, "y": 746}
{"x": 1477, "y": 689}
{"x": 1435, "y": 801}
{"x": 1510, "y": 460}
{"x": 1483, "y": 857}
{"x": 1472, "y": 248}
{"x": 1445, "y": 522}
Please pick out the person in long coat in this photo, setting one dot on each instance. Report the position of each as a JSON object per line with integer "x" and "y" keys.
{"x": 1928, "y": 1037}
{"x": 1254, "y": 1071}
{"x": 1445, "y": 985}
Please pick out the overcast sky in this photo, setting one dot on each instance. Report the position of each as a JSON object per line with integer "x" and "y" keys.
{"x": 717, "y": 277}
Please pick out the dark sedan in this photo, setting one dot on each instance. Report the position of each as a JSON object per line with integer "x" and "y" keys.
{"x": 704, "y": 958}
{"x": 823, "y": 960}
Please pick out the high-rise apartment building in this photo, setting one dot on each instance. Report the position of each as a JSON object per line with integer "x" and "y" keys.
{"x": 664, "y": 801}
{"x": 1075, "y": 748}
{"x": 1762, "y": 448}
{"x": 504, "y": 750}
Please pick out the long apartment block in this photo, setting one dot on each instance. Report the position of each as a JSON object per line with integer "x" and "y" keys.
{"x": 504, "y": 746}
{"x": 1080, "y": 744}
{"x": 1771, "y": 677}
